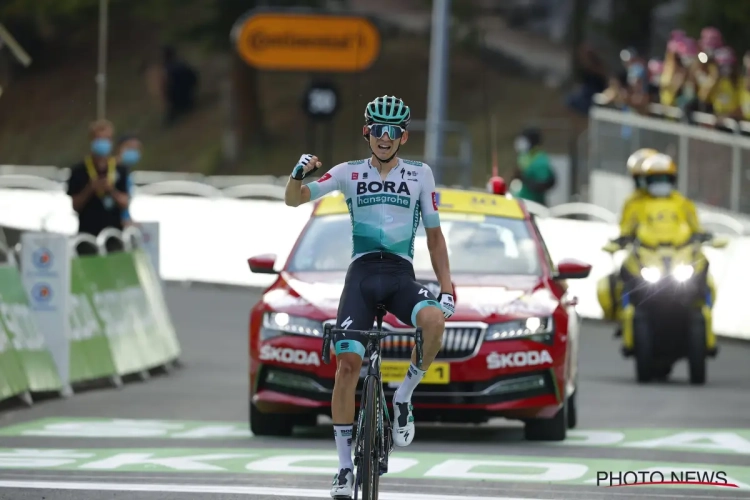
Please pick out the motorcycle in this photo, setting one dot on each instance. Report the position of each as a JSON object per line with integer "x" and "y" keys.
{"x": 666, "y": 297}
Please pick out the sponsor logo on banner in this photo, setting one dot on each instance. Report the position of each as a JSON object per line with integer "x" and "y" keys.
{"x": 41, "y": 297}
{"x": 518, "y": 359}
{"x": 42, "y": 258}
{"x": 290, "y": 356}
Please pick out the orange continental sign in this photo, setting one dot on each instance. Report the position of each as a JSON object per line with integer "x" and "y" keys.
{"x": 308, "y": 42}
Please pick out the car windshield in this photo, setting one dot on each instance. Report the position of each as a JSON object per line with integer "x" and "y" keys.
{"x": 476, "y": 244}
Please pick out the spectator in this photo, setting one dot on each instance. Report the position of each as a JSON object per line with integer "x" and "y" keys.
{"x": 636, "y": 81}
{"x": 743, "y": 88}
{"x": 655, "y": 70}
{"x": 706, "y": 71}
{"x": 593, "y": 79}
{"x": 678, "y": 86}
{"x": 98, "y": 186}
{"x": 724, "y": 101}
{"x": 129, "y": 154}
{"x": 180, "y": 86}
{"x": 534, "y": 176}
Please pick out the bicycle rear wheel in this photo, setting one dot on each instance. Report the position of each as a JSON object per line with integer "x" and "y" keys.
{"x": 370, "y": 446}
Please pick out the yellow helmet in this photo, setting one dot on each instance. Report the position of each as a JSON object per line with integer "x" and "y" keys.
{"x": 659, "y": 164}
{"x": 635, "y": 161}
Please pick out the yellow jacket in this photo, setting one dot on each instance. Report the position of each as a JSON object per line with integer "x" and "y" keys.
{"x": 636, "y": 210}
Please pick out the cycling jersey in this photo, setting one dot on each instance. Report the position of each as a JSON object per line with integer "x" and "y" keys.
{"x": 385, "y": 213}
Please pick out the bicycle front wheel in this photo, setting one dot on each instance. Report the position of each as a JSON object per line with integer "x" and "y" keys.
{"x": 370, "y": 447}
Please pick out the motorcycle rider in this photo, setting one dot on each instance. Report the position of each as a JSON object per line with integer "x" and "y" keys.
{"x": 613, "y": 285}
{"x": 660, "y": 179}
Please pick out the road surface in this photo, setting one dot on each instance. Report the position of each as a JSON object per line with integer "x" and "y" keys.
{"x": 183, "y": 436}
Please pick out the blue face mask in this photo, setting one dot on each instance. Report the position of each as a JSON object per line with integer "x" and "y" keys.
{"x": 101, "y": 147}
{"x": 130, "y": 157}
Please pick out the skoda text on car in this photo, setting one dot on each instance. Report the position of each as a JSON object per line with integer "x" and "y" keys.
{"x": 510, "y": 350}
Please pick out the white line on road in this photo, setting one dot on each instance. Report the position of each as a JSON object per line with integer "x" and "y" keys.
{"x": 226, "y": 490}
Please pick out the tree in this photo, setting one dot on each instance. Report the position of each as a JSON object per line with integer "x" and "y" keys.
{"x": 729, "y": 16}
{"x": 631, "y": 23}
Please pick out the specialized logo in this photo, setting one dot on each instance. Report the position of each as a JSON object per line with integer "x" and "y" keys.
{"x": 518, "y": 359}
{"x": 42, "y": 258}
{"x": 424, "y": 292}
{"x": 291, "y": 356}
{"x": 347, "y": 322}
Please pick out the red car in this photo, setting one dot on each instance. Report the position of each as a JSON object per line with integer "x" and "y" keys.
{"x": 510, "y": 350}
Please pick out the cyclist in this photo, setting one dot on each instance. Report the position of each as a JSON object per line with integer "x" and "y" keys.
{"x": 386, "y": 196}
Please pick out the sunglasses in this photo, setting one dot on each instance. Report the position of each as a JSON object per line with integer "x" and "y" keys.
{"x": 378, "y": 130}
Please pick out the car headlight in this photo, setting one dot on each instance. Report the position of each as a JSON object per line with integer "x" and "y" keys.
{"x": 519, "y": 328}
{"x": 275, "y": 324}
{"x": 651, "y": 274}
{"x": 683, "y": 272}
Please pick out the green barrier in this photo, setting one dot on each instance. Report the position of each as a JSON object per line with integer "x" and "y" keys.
{"x": 90, "y": 355}
{"x": 13, "y": 381}
{"x": 119, "y": 320}
{"x": 154, "y": 295}
{"x": 25, "y": 361}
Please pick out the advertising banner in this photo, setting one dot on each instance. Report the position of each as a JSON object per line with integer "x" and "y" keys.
{"x": 25, "y": 349}
{"x": 45, "y": 274}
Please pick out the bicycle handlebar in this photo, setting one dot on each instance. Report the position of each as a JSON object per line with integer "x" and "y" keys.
{"x": 329, "y": 331}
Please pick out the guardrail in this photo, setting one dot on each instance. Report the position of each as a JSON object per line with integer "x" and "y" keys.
{"x": 714, "y": 166}
{"x": 66, "y": 321}
{"x": 208, "y": 234}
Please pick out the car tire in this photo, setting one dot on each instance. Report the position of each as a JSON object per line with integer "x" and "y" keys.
{"x": 270, "y": 424}
{"x": 697, "y": 352}
{"x": 643, "y": 349}
{"x": 572, "y": 411}
{"x": 548, "y": 429}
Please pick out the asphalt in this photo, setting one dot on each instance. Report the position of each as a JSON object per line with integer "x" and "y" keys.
{"x": 211, "y": 386}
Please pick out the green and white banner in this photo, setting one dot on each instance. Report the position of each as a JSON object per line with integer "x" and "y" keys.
{"x": 25, "y": 362}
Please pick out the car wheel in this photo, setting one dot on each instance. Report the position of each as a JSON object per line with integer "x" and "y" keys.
{"x": 697, "y": 351}
{"x": 270, "y": 424}
{"x": 644, "y": 353}
{"x": 548, "y": 429}
{"x": 572, "y": 411}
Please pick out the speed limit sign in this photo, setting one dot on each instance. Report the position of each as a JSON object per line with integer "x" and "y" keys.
{"x": 321, "y": 101}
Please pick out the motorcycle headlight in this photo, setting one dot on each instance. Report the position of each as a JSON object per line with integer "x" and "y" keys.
{"x": 683, "y": 272}
{"x": 519, "y": 328}
{"x": 651, "y": 274}
{"x": 275, "y": 324}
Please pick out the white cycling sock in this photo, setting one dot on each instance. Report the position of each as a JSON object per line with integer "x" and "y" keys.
{"x": 343, "y": 435}
{"x": 413, "y": 377}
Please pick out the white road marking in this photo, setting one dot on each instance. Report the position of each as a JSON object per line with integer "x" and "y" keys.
{"x": 227, "y": 490}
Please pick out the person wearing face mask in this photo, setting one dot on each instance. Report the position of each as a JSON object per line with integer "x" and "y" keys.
{"x": 743, "y": 89}
{"x": 660, "y": 178}
{"x": 129, "y": 154}
{"x": 98, "y": 186}
{"x": 629, "y": 217}
{"x": 533, "y": 176}
{"x": 725, "y": 98}
{"x": 706, "y": 69}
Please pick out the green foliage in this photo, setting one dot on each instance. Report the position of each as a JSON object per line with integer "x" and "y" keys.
{"x": 631, "y": 22}
{"x": 731, "y": 17}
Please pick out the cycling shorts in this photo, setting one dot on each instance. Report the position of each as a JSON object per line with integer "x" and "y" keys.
{"x": 378, "y": 278}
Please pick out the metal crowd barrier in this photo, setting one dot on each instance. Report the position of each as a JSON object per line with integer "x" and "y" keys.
{"x": 714, "y": 166}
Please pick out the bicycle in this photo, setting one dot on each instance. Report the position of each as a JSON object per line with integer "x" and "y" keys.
{"x": 374, "y": 441}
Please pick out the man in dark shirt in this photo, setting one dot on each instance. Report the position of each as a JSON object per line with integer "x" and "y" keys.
{"x": 98, "y": 185}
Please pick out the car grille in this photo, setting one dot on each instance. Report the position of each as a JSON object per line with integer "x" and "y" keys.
{"x": 458, "y": 343}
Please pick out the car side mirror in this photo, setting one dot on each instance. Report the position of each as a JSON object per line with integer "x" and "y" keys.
{"x": 570, "y": 269}
{"x": 263, "y": 264}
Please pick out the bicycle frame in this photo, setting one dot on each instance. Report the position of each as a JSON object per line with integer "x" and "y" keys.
{"x": 383, "y": 425}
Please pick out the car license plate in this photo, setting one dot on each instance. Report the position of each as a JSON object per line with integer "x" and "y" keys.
{"x": 395, "y": 371}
